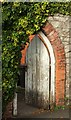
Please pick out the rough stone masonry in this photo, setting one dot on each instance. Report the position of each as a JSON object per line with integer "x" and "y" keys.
{"x": 62, "y": 24}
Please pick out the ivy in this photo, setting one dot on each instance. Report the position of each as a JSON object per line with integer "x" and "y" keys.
{"x": 19, "y": 21}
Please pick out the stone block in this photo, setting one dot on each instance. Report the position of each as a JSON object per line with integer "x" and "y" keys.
{"x": 61, "y": 18}
{"x": 67, "y": 55}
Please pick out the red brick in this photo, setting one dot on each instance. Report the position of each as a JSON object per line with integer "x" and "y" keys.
{"x": 48, "y": 28}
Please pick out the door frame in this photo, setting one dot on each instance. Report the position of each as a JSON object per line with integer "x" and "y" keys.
{"x": 48, "y": 45}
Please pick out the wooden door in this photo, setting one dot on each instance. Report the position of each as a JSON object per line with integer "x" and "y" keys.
{"x": 37, "y": 75}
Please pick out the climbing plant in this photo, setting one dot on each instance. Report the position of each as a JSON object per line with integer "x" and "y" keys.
{"x": 19, "y": 20}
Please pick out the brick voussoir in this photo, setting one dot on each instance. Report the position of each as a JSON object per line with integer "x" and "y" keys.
{"x": 48, "y": 29}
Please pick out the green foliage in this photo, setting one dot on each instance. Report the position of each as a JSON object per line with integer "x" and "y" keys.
{"x": 19, "y": 21}
{"x": 60, "y": 107}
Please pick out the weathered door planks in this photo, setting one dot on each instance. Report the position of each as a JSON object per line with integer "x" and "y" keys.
{"x": 37, "y": 75}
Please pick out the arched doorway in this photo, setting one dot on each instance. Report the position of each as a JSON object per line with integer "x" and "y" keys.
{"x": 40, "y": 74}
{"x": 57, "y": 67}
{"x": 51, "y": 40}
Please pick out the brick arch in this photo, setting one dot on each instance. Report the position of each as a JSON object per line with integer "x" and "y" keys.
{"x": 58, "y": 48}
{"x": 59, "y": 52}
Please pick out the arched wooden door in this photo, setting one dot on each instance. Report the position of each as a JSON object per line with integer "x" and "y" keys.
{"x": 37, "y": 75}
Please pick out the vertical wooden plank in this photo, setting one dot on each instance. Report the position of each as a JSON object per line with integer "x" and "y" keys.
{"x": 41, "y": 72}
{"x": 28, "y": 75}
{"x": 34, "y": 84}
{"x": 44, "y": 76}
{"x": 38, "y": 72}
{"x": 30, "y": 72}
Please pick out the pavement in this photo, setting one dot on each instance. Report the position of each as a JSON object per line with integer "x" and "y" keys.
{"x": 31, "y": 112}
{"x": 28, "y": 111}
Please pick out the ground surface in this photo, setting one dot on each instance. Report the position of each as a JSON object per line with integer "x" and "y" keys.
{"x": 27, "y": 111}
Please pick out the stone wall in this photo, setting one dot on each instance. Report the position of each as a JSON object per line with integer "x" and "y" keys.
{"x": 62, "y": 25}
